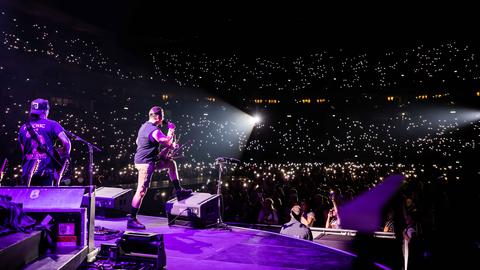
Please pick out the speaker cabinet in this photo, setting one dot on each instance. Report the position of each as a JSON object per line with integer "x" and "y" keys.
{"x": 112, "y": 201}
{"x": 199, "y": 210}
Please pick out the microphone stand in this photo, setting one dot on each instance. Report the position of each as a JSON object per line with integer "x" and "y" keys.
{"x": 220, "y": 225}
{"x": 91, "y": 190}
{"x": 91, "y": 148}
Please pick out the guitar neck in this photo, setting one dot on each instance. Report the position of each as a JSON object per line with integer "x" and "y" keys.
{"x": 62, "y": 172}
{"x": 3, "y": 169}
{"x": 32, "y": 171}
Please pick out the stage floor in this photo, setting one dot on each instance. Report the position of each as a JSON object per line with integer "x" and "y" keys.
{"x": 240, "y": 248}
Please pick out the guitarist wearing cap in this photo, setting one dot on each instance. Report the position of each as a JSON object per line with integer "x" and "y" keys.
{"x": 149, "y": 158}
{"x": 37, "y": 138}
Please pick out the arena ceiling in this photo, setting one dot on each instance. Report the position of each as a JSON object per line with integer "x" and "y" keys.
{"x": 140, "y": 25}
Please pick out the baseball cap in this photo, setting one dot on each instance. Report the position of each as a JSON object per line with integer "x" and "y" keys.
{"x": 39, "y": 106}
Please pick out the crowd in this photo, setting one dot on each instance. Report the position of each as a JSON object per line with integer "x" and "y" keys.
{"x": 329, "y": 69}
{"x": 440, "y": 65}
{"x": 444, "y": 143}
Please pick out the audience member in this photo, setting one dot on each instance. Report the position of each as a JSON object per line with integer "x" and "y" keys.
{"x": 333, "y": 217}
{"x": 294, "y": 227}
{"x": 268, "y": 214}
{"x": 308, "y": 216}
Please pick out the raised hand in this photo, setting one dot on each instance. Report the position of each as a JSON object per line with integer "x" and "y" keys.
{"x": 332, "y": 195}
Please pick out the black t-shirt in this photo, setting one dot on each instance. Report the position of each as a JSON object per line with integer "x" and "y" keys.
{"x": 47, "y": 131}
{"x": 147, "y": 146}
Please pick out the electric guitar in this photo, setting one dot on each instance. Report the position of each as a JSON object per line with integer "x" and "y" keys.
{"x": 3, "y": 169}
{"x": 32, "y": 171}
{"x": 169, "y": 152}
{"x": 172, "y": 151}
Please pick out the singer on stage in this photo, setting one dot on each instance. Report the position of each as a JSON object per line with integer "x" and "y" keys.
{"x": 148, "y": 158}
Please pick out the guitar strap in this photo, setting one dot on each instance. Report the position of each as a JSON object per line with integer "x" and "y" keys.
{"x": 42, "y": 147}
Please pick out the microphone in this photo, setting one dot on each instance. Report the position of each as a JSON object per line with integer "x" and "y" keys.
{"x": 169, "y": 124}
{"x": 227, "y": 160}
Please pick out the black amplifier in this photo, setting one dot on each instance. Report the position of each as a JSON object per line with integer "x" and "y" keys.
{"x": 143, "y": 247}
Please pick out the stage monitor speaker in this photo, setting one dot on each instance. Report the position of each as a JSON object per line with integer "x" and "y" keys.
{"x": 198, "y": 210}
{"x": 112, "y": 201}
